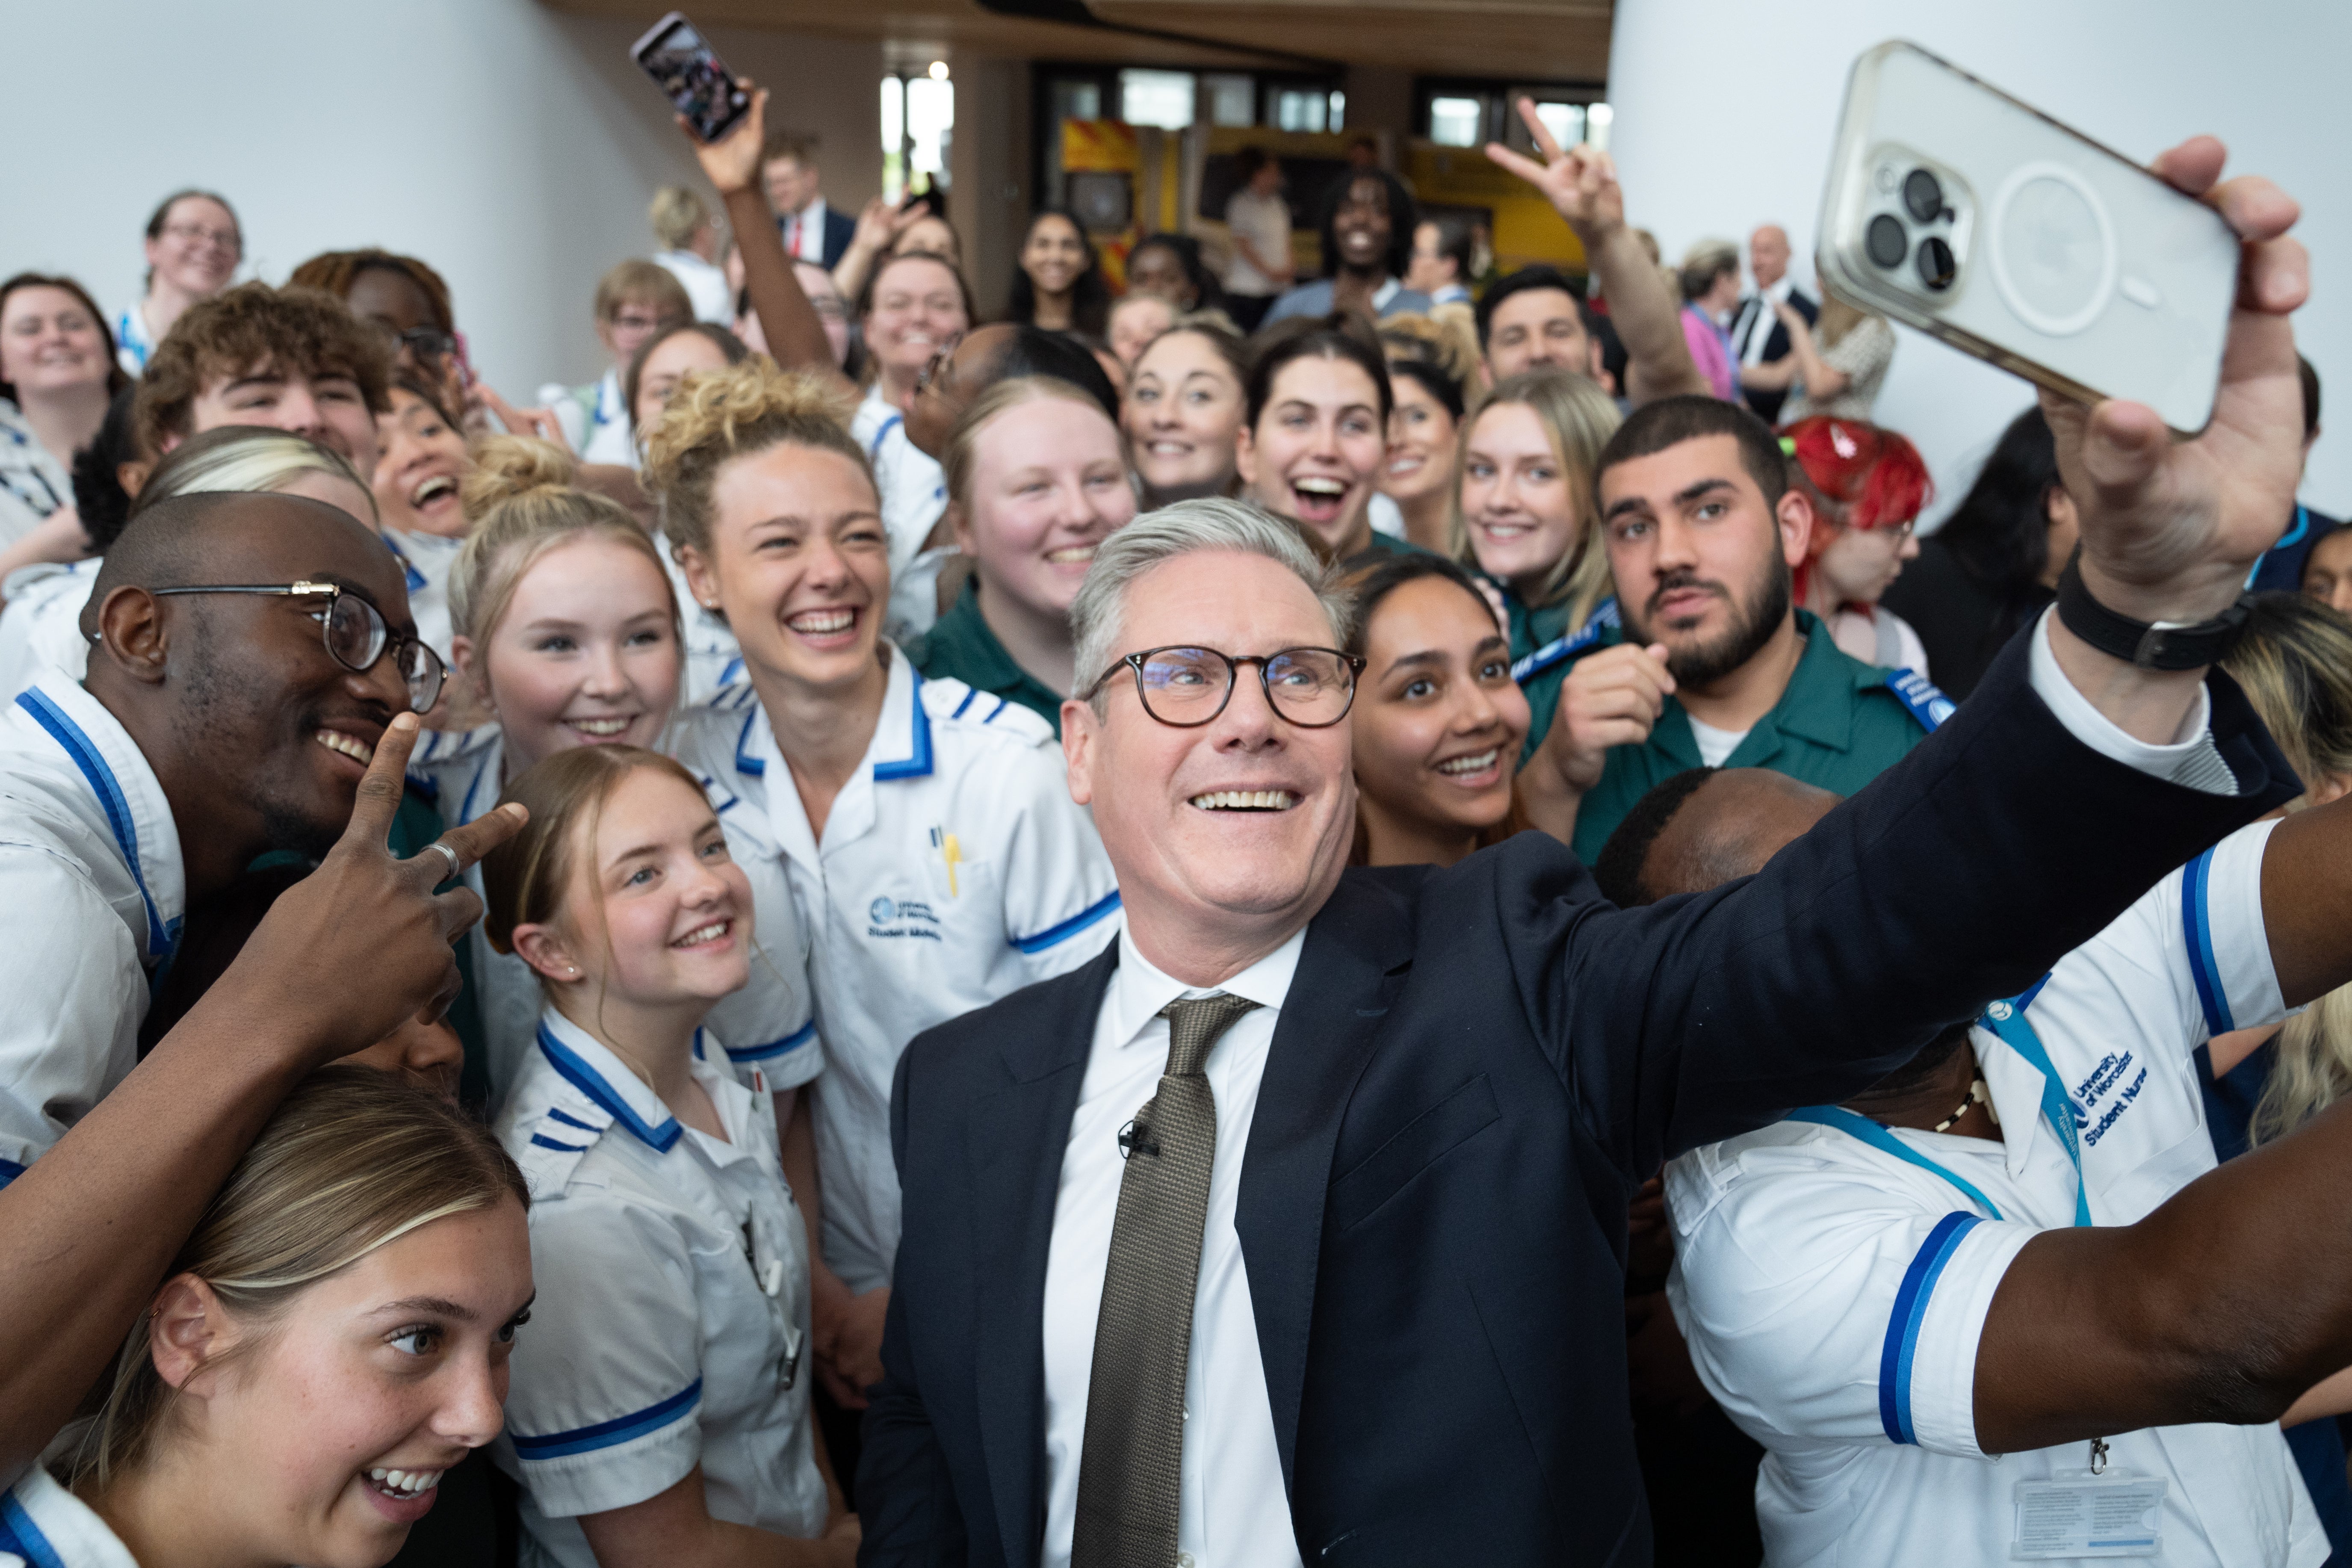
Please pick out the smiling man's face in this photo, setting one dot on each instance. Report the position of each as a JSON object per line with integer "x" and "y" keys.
{"x": 1240, "y": 824}
{"x": 264, "y": 710}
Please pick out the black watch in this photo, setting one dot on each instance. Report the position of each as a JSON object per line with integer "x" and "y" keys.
{"x": 2149, "y": 645}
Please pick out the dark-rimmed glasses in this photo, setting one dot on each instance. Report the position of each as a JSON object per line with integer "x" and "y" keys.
{"x": 1184, "y": 687}
{"x": 354, "y": 632}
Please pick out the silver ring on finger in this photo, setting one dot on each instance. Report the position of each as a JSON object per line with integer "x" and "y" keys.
{"x": 456, "y": 867}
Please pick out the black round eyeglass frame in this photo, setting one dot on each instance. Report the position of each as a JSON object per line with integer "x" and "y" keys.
{"x": 424, "y": 682}
{"x": 1352, "y": 663}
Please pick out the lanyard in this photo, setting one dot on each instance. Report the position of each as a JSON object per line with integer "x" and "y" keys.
{"x": 2007, "y": 1020}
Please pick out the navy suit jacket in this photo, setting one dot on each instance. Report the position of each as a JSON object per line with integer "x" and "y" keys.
{"x": 1474, "y": 1070}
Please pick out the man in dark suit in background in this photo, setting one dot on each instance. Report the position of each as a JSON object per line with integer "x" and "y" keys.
{"x": 812, "y": 230}
{"x": 1292, "y": 1227}
{"x": 1757, "y": 336}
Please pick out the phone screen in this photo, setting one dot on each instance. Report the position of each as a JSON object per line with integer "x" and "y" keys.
{"x": 698, "y": 83}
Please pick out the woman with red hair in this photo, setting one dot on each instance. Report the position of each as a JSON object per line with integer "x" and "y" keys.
{"x": 1866, "y": 486}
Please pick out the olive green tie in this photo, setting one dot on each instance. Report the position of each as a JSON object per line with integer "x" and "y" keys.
{"x": 1131, "y": 1467}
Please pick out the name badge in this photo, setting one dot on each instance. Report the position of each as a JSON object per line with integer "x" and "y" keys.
{"x": 2078, "y": 1514}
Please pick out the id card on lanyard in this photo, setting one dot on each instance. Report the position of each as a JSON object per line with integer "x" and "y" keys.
{"x": 2091, "y": 1512}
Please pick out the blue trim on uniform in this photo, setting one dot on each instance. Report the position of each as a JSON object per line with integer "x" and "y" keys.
{"x": 415, "y": 578}
{"x": 1918, "y": 694}
{"x": 9, "y": 1172}
{"x": 801, "y": 1037}
{"x": 466, "y": 806}
{"x": 584, "y": 1077}
{"x": 613, "y": 1433}
{"x": 110, "y": 798}
{"x": 970, "y": 698}
{"x": 1604, "y": 617}
{"x": 555, "y": 1114}
{"x": 734, "y": 667}
{"x": 1863, "y": 1129}
{"x": 2024, "y": 998}
{"x": 2197, "y": 927}
{"x": 1903, "y": 1325}
{"x": 918, "y": 766}
{"x": 1001, "y": 704}
{"x": 20, "y": 1535}
{"x": 752, "y": 767}
{"x": 873, "y": 448}
{"x": 1054, "y": 936}
{"x": 560, "y": 1148}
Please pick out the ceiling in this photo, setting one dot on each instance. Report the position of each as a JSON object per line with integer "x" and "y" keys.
{"x": 1518, "y": 40}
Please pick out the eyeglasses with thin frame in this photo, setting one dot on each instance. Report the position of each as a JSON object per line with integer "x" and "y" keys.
{"x": 354, "y": 632}
{"x": 1185, "y": 688}
{"x": 228, "y": 239}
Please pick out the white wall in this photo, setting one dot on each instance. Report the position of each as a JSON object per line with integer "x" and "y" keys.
{"x": 1726, "y": 110}
{"x": 512, "y": 147}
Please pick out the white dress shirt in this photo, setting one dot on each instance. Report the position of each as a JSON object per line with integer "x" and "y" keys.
{"x": 803, "y": 232}
{"x": 1753, "y": 320}
{"x": 1230, "y": 1454}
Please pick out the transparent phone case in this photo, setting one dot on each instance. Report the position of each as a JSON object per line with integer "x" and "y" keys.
{"x": 2061, "y": 260}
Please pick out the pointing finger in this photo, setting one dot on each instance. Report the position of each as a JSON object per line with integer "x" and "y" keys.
{"x": 378, "y": 800}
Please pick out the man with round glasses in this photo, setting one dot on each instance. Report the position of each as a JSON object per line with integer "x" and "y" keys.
{"x": 1292, "y": 1229}
{"x": 248, "y": 653}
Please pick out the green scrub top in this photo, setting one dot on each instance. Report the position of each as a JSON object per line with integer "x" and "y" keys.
{"x": 1839, "y": 725}
{"x": 961, "y": 645}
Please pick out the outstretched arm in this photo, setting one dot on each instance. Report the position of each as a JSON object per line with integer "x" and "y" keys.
{"x": 795, "y": 336}
{"x": 343, "y": 956}
{"x": 1580, "y": 183}
{"x": 2226, "y": 1304}
{"x": 2022, "y": 827}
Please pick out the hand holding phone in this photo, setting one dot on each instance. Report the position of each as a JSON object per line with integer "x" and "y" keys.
{"x": 709, "y": 99}
{"x": 2169, "y": 526}
{"x": 731, "y": 163}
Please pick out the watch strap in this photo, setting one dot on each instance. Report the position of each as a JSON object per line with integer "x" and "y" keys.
{"x": 2149, "y": 645}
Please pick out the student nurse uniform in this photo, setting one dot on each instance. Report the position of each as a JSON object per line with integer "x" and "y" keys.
{"x": 672, "y": 1320}
{"x": 955, "y": 869}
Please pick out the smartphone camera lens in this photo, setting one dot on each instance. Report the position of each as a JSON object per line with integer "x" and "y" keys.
{"x": 1886, "y": 241}
{"x": 1923, "y": 195}
{"x": 1937, "y": 268}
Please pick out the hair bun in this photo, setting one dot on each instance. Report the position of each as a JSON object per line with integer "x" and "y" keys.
{"x": 508, "y": 467}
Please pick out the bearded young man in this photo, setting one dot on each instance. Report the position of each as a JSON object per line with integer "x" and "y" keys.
{"x": 1715, "y": 666}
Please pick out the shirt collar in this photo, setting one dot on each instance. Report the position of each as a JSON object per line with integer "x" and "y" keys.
{"x": 901, "y": 746}
{"x": 1140, "y": 990}
{"x": 1383, "y": 294}
{"x": 590, "y": 1065}
{"x": 1778, "y": 292}
{"x": 43, "y": 1521}
{"x": 1818, "y": 703}
{"x": 117, "y": 786}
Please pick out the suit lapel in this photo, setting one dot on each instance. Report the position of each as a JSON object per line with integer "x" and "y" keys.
{"x": 1354, "y": 960}
{"x": 1016, "y": 1139}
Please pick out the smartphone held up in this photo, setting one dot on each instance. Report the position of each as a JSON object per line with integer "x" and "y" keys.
{"x": 1957, "y": 209}
{"x": 691, "y": 75}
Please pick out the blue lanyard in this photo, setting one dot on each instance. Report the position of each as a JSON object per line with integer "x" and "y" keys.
{"x": 2007, "y": 1020}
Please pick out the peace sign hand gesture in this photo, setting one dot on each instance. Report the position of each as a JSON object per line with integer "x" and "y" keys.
{"x": 1580, "y": 181}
